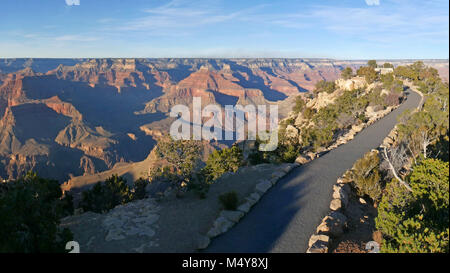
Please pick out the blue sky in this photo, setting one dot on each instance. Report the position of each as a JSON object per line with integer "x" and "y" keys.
{"x": 344, "y": 29}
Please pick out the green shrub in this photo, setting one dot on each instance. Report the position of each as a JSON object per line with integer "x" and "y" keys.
{"x": 104, "y": 196}
{"x": 324, "y": 86}
{"x": 347, "y": 73}
{"x": 417, "y": 221}
{"x": 30, "y": 212}
{"x": 309, "y": 113}
{"x": 288, "y": 153}
{"x": 183, "y": 159}
{"x": 372, "y": 64}
{"x": 387, "y": 80}
{"x": 368, "y": 73}
{"x": 139, "y": 191}
{"x": 366, "y": 177}
{"x": 229, "y": 200}
{"x": 300, "y": 104}
{"x": 222, "y": 161}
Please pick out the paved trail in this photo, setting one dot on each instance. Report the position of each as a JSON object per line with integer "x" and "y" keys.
{"x": 288, "y": 214}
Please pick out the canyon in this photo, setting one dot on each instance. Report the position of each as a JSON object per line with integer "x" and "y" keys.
{"x": 69, "y": 118}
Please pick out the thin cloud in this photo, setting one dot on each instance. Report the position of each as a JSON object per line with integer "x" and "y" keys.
{"x": 176, "y": 15}
{"x": 393, "y": 24}
{"x": 76, "y": 38}
{"x": 373, "y": 2}
{"x": 72, "y": 2}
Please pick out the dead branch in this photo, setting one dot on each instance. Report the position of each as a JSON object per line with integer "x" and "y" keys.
{"x": 394, "y": 172}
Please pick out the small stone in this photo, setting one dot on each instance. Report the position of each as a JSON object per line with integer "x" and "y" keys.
{"x": 311, "y": 155}
{"x": 253, "y": 198}
{"x": 339, "y": 193}
{"x": 251, "y": 201}
{"x": 233, "y": 216}
{"x": 114, "y": 221}
{"x": 320, "y": 237}
{"x": 148, "y": 219}
{"x": 302, "y": 160}
{"x": 278, "y": 174}
{"x": 288, "y": 168}
{"x": 335, "y": 204}
{"x": 223, "y": 224}
{"x": 203, "y": 242}
{"x": 114, "y": 235}
{"x": 339, "y": 217}
{"x": 333, "y": 224}
{"x": 213, "y": 232}
{"x": 318, "y": 247}
{"x": 358, "y": 128}
{"x": 263, "y": 186}
{"x": 132, "y": 231}
{"x": 147, "y": 232}
{"x": 140, "y": 249}
{"x": 362, "y": 201}
{"x": 274, "y": 180}
{"x": 245, "y": 207}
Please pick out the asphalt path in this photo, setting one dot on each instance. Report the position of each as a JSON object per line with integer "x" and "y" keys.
{"x": 288, "y": 214}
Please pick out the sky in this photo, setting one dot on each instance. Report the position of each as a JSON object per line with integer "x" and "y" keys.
{"x": 338, "y": 29}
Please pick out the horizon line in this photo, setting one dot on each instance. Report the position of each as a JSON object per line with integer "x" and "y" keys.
{"x": 227, "y": 58}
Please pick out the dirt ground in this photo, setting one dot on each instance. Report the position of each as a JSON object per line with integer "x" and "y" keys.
{"x": 180, "y": 223}
{"x": 360, "y": 227}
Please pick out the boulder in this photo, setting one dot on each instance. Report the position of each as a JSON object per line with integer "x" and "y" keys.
{"x": 387, "y": 142}
{"x": 318, "y": 247}
{"x": 345, "y": 178}
{"x": 311, "y": 155}
{"x": 340, "y": 193}
{"x": 333, "y": 224}
{"x": 318, "y": 237}
{"x": 321, "y": 150}
{"x": 358, "y": 128}
{"x": 302, "y": 160}
{"x": 336, "y": 204}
